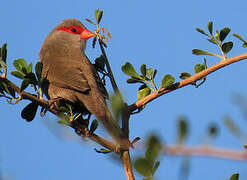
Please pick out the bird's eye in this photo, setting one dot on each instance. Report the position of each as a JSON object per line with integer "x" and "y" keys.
{"x": 74, "y": 30}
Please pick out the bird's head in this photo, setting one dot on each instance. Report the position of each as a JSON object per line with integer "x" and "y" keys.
{"x": 68, "y": 36}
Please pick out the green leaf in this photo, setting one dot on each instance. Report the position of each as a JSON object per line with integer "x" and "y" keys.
{"x": 227, "y": 46}
{"x": 103, "y": 151}
{"x": 4, "y": 52}
{"x": 182, "y": 130}
{"x": 232, "y": 126}
{"x": 128, "y": 69}
{"x": 154, "y": 148}
{"x": 184, "y": 75}
{"x": 143, "y": 166}
{"x": 18, "y": 74}
{"x": 239, "y": 37}
{"x": 244, "y": 45}
{"x": 201, "y": 52}
{"x": 32, "y": 78}
{"x": 98, "y": 15}
{"x": 38, "y": 70}
{"x": 150, "y": 73}
{"x": 25, "y": 84}
{"x": 143, "y": 70}
{"x": 134, "y": 80}
{"x": 167, "y": 81}
{"x": 210, "y": 27}
{"x": 245, "y": 146}
{"x": 155, "y": 72}
{"x": 19, "y": 64}
{"x": 5, "y": 87}
{"x": 199, "y": 67}
{"x": 143, "y": 91}
{"x": 156, "y": 165}
{"x": 223, "y": 33}
{"x": 201, "y": 31}
{"x": 234, "y": 176}
{"x": 93, "y": 126}
{"x": 214, "y": 41}
{"x": 64, "y": 119}
{"x": 29, "y": 112}
{"x": 88, "y": 20}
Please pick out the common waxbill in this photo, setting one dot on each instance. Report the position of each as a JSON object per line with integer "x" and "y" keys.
{"x": 69, "y": 74}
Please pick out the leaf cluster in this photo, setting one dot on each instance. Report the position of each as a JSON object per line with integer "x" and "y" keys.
{"x": 146, "y": 79}
{"x": 217, "y": 39}
{"x": 98, "y": 14}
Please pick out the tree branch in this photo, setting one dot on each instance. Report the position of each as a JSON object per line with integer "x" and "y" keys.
{"x": 43, "y": 103}
{"x": 208, "y": 151}
{"x": 188, "y": 81}
{"x": 127, "y": 165}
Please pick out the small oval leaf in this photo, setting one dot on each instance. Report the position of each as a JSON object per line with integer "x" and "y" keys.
{"x": 29, "y": 112}
{"x": 133, "y": 80}
{"x": 199, "y": 67}
{"x": 210, "y": 27}
{"x": 3, "y": 52}
{"x": 214, "y": 41}
{"x": 93, "y": 126}
{"x": 223, "y": 33}
{"x": 90, "y": 21}
{"x": 239, "y": 37}
{"x": 234, "y": 177}
{"x": 201, "y": 31}
{"x": 227, "y": 46}
{"x": 184, "y": 75}
{"x": 201, "y": 52}
{"x": 143, "y": 166}
{"x": 25, "y": 84}
{"x": 38, "y": 70}
{"x": 149, "y": 73}
{"x": 143, "y": 92}
{"x": 143, "y": 70}
{"x": 128, "y": 69}
{"x": 167, "y": 81}
{"x": 19, "y": 64}
{"x": 18, "y": 74}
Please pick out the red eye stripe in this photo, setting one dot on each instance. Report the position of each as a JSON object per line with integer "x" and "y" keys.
{"x": 71, "y": 29}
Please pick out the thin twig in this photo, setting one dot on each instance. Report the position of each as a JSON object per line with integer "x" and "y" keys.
{"x": 188, "y": 81}
{"x": 113, "y": 82}
{"x": 205, "y": 151}
{"x": 103, "y": 142}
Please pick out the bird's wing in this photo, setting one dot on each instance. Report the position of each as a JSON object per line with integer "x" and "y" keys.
{"x": 64, "y": 74}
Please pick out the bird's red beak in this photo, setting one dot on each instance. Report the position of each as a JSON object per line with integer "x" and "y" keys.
{"x": 86, "y": 34}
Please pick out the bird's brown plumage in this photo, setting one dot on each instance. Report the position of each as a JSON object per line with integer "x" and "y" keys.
{"x": 72, "y": 77}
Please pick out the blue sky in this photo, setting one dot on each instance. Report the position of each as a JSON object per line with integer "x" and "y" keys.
{"x": 158, "y": 33}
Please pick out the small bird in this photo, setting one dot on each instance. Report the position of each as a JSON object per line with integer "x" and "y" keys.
{"x": 70, "y": 76}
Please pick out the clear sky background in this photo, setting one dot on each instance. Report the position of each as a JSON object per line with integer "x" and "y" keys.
{"x": 158, "y": 33}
